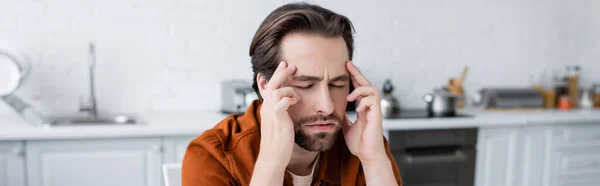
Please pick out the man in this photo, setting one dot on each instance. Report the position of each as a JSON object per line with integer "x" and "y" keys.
{"x": 297, "y": 133}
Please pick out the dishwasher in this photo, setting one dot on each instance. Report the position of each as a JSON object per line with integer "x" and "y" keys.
{"x": 444, "y": 157}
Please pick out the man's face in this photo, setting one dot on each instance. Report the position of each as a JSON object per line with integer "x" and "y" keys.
{"x": 322, "y": 83}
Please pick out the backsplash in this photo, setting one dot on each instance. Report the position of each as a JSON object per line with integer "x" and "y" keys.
{"x": 165, "y": 55}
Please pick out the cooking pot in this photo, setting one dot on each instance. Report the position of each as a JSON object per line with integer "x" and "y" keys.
{"x": 441, "y": 103}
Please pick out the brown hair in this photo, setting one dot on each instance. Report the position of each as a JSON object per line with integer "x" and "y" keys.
{"x": 294, "y": 18}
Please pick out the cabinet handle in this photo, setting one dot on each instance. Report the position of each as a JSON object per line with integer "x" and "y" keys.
{"x": 18, "y": 151}
{"x": 157, "y": 148}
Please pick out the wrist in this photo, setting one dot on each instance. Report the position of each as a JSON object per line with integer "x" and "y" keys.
{"x": 380, "y": 157}
{"x": 379, "y": 172}
{"x": 378, "y": 162}
{"x": 270, "y": 163}
{"x": 267, "y": 173}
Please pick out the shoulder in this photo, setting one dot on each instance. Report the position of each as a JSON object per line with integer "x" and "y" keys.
{"x": 229, "y": 148}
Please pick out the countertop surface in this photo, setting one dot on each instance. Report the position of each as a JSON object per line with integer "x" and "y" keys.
{"x": 194, "y": 123}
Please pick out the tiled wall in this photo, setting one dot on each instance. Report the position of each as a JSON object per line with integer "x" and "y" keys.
{"x": 169, "y": 55}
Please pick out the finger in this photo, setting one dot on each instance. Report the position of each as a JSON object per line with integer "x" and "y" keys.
{"x": 362, "y": 92}
{"x": 354, "y": 83}
{"x": 357, "y": 76}
{"x": 370, "y": 102}
{"x": 282, "y": 72}
{"x": 280, "y": 93}
{"x": 285, "y": 103}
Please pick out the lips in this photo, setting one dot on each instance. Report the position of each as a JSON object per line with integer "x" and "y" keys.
{"x": 321, "y": 123}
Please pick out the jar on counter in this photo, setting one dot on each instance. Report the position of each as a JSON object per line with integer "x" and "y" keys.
{"x": 595, "y": 94}
{"x": 565, "y": 103}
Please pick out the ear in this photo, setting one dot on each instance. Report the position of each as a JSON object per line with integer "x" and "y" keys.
{"x": 261, "y": 82}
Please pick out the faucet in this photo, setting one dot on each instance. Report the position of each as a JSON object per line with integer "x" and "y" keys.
{"x": 90, "y": 105}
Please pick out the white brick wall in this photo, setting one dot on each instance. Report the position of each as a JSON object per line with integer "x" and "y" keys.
{"x": 168, "y": 55}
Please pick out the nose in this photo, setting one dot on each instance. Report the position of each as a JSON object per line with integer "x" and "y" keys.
{"x": 324, "y": 103}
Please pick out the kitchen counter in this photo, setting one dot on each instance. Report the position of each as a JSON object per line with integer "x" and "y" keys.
{"x": 192, "y": 124}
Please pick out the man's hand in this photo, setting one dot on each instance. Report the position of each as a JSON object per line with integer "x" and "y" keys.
{"x": 365, "y": 137}
{"x": 276, "y": 129}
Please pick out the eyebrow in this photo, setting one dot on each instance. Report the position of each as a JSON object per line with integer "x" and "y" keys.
{"x": 315, "y": 78}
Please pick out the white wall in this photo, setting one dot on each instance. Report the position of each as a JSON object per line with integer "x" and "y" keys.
{"x": 168, "y": 55}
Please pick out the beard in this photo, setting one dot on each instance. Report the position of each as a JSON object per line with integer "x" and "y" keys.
{"x": 321, "y": 141}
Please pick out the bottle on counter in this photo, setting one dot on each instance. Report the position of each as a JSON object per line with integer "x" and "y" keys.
{"x": 573, "y": 84}
{"x": 595, "y": 94}
{"x": 586, "y": 100}
{"x": 560, "y": 89}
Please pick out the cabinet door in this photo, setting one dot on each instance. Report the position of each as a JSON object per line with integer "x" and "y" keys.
{"x": 115, "y": 162}
{"x": 496, "y": 163}
{"x": 175, "y": 148}
{"x": 536, "y": 156}
{"x": 12, "y": 163}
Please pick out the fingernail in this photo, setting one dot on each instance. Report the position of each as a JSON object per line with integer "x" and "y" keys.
{"x": 282, "y": 63}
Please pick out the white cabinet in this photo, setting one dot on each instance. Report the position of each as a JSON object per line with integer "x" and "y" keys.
{"x": 535, "y": 153}
{"x": 98, "y": 162}
{"x": 575, "y": 158}
{"x": 12, "y": 163}
{"x": 497, "y": 157}
{"x": 540, "y": 155}
{"x": 175, "y": 148}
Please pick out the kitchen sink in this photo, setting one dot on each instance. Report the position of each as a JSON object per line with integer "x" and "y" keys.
{"x": 93, "y": 118}
{"x": 108, "y": 120}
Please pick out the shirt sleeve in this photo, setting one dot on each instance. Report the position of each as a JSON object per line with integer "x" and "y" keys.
{"x": 200, "y": 168}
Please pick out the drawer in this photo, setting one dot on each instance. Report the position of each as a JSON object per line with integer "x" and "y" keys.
{"x": 590, "y": 180}
{"x": 577, "y": 135}
{"x": 576, "y": 162}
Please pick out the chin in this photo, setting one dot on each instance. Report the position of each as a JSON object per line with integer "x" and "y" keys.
{"x": 320, "y": 141}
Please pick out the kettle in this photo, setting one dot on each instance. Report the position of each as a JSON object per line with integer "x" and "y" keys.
{"x": 390, "y": 106}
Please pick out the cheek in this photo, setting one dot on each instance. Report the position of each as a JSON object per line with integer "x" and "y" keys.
{"x": 296, "y": 111}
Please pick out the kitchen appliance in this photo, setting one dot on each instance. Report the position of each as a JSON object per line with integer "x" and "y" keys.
{"x": 389, "y": 103}
{"x": 14, "y": 70}
{"x": 236, "y": 96}
{"x": 441, "y": 103}
{"x": 435, "y": 157}
{"x": 511, "y": 98}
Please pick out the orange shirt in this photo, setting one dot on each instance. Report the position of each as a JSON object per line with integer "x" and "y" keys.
{"x": 226, "y": 154}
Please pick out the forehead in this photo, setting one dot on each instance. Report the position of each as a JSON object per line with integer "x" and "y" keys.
{"x": 314, "y": 54}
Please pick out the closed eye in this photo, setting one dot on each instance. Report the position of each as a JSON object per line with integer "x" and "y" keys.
{"x": 337, "y": 86}
{"x": 304, "y": 87}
